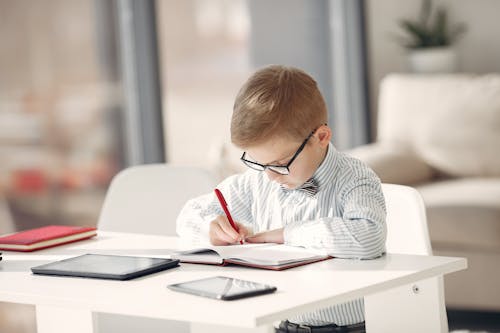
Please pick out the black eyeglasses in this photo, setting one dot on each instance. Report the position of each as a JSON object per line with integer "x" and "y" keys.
{"x": 280, "y": 169}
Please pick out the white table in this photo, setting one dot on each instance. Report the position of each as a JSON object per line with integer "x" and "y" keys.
{"x": 69, "y": 304}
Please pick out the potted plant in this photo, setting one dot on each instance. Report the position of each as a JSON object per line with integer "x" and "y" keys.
{"x": 430, "y": 39}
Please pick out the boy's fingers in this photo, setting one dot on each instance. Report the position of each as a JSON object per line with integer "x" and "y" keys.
{"x": 244, "y": 230}
{"x": 224, "y": 237}
{"x": 228, "y": 229}
{"x": 219, "y": 236}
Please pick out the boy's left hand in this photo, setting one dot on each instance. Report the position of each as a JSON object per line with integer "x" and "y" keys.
{"x": 272, "y": 236}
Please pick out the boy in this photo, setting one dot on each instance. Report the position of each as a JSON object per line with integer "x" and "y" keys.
{"x": 298, "y": 190}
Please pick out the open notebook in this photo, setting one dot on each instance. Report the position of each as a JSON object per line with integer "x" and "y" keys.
{"x": 266, "y": 256}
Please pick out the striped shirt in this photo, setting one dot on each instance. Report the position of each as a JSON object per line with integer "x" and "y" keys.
{"x": 346, "y": 218}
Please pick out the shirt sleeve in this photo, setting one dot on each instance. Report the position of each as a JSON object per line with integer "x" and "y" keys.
{"x": 194, "y": 219}
{"x": 359, "y": 233}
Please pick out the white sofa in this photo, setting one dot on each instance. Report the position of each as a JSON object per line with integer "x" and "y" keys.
{"x": 441, "y": 134}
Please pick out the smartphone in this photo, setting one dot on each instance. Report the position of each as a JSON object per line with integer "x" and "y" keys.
{"x": 223, "y": 288}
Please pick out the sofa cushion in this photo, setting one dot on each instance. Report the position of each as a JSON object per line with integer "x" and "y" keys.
{"x": 393, "y": 164}
{"x": 463, "y": 213}
{"x": 452, "y": 121}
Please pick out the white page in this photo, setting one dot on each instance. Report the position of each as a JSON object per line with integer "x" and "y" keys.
{"x": 260, "y": 254}
{"x": 278, "y": 254}
{"x": 207, "y": 254}
{"x": 235, "y": 251}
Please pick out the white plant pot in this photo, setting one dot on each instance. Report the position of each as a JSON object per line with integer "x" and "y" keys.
{"x": 433, "y": 60}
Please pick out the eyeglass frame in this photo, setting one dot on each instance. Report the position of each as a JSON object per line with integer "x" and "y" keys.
{"x": 262, "y": 167}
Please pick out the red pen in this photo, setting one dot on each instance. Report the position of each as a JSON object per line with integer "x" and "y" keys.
{"x": 226, "y": 211}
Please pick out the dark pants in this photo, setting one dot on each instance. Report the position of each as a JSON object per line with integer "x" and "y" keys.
{"x": 288, "y": 327}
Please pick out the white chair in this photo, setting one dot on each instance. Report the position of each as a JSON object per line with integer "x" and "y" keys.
{"x": 147, "y": 199}
{"x": 407, "y": 233}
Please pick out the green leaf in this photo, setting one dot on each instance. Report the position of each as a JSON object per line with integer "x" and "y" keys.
{"x": 419, "y": 34}
{"x": 439, "y": 31}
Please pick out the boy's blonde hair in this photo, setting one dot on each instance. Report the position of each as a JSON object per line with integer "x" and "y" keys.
{"x": 277, "y": 100}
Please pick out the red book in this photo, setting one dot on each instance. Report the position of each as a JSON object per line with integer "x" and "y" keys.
{"x": 44, "y": 237}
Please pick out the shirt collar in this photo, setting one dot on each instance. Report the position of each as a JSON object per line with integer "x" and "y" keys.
{"x": 326, "y": 170}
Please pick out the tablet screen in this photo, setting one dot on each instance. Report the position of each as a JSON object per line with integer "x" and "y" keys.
{"x": 105, "y": 266}
{"x": 221, "y": 287}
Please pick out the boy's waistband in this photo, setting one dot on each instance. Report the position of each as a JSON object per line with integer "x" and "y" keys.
{"x": 288, "y": 327}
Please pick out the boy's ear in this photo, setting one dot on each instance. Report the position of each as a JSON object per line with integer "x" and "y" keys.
{"x": 324, "y": 134}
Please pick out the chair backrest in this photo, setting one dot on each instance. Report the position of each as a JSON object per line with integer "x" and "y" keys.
{"x": 407, "y": 230}
{"x": 147, "y": 198}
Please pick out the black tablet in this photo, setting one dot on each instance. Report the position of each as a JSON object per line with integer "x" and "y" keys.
{"x": 102, "y": 266}
{"x": 224, "y": 288}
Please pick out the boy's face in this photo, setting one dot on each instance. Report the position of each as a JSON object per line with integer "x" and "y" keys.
{"x": 280, "y": 150}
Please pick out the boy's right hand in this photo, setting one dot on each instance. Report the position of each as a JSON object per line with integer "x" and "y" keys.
{"x": 222, "y": 233}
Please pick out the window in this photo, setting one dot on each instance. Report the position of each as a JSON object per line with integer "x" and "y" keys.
{"x": 60, "y": 110}
{"x": 204, "y": 47}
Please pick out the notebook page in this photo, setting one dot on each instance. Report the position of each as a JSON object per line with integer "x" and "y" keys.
{"x": 215, "y": 254}
{"x": 235, "y": 251}
{"x": 277, "y": 255}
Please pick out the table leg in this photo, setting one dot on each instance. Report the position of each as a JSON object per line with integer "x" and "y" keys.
{"x": 414, "y": 308}
{"x": 53, "y": 319}
{"x": 205, "y": 328}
